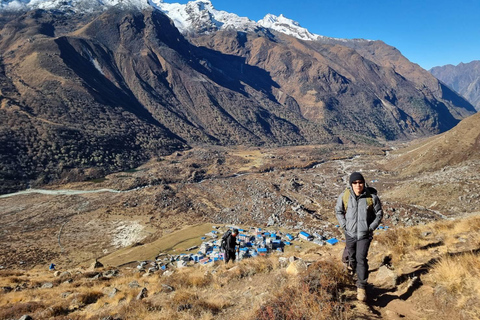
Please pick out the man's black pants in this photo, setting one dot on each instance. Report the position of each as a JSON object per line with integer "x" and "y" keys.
{"x": 357, "y": 258}
{"x": 229, "y": 255}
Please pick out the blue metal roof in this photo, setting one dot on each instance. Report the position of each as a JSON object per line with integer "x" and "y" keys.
{"x": 332, "y": 241}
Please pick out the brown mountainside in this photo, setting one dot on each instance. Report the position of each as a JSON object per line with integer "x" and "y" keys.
{"x": 390, "y": 57}
{"x": 82, "y": 95}
{"x": 354, "y": 87}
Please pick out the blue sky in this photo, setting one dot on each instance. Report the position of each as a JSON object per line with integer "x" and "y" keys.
{"x": 428, "y": 32}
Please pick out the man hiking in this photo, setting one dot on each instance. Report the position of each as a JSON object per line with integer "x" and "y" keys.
{"x": 359, "y": 213}
{"x": 229, "y": 242}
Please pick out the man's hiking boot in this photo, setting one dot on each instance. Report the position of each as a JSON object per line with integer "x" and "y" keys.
{"x": 361, "y": 295}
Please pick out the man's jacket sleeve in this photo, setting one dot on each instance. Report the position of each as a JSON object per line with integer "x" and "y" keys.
{"x": 340, "y": 212}
{"x": 377, "y": 207}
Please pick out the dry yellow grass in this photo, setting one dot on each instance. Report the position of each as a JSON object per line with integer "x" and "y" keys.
{"x": 457, "y": 285}
{"x": 252, "y": 158}
{"x": 189, "y": 278}
{"x": 468, "y": 224}
{"x": 313, "y": 295}
{"x": 259, "y": 288}
{"x": 455, "y": 273}
{"x": 444, "y": 235}
{"x": 399, "y": 242}
{"x": 199, "y": 292}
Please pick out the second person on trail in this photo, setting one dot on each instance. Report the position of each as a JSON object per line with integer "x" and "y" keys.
{"x": 359, "y": 213}
{"x": 229, "y": 243}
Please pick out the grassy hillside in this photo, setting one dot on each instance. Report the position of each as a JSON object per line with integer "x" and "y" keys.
{"x": 189, "y": 236}
{"x": 434, "y": 270}
{"x": 458, "y": 145}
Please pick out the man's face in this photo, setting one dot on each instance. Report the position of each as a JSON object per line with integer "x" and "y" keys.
{"x": 358, "y": 186}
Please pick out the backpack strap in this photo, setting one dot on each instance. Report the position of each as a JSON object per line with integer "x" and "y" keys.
{"x": 346, "y": 196}
{"x": 369, "y": 201}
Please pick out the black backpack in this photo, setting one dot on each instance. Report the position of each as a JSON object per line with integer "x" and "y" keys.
{"x": 223, "y": 244}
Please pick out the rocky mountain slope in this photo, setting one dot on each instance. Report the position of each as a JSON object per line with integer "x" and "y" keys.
{"x": 85, "y": 92}
{"x": 463, "y": 78}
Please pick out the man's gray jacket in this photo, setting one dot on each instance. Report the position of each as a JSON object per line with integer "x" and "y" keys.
{"x": 357, "y": 221}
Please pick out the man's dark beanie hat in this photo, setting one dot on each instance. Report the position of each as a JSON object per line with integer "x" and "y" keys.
{"x": 356, "y": 176}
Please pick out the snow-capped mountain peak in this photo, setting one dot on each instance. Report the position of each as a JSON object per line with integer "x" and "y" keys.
{"x": 195, "y": 16}
{"x": 201, "y": 16}
{"x": 70, "y": 5}
{"x": 287, "y": 26}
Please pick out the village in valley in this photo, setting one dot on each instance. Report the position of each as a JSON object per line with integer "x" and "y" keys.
{"x": 252, "y": 242}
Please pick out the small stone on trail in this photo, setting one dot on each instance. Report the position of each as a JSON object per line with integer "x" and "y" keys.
{"x": 47, "y": 285}
{"x": 386, "y": 278}
{"x": 296, "y": 267}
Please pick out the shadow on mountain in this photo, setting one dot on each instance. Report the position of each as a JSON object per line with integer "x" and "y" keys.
{"x": 232, "y": 72}
{"x": 456, "y": 99}
{"x": 229, "y": 71}
{"x": 103, "y": 90}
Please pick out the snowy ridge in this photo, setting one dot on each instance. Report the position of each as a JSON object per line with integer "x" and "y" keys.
{"x": 195, "y": 16}
{"x": 85, "y": 6}
{"x": 200, "y": 15}
{"x": 287, "y": 26}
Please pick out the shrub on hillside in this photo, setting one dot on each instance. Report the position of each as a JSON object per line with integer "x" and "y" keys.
{"x": 400, "y": 240}
{"x": 18, "y": 309}
{"x": 317, "y": 295}
{"x": 88, "y": 297}
{"x": 189, "y": 278}
{"x": 185, "y": 301}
